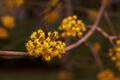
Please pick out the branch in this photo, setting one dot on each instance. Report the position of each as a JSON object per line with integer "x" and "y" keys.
{"x": 106, "y": 35}
{"x": 12, "y": 53}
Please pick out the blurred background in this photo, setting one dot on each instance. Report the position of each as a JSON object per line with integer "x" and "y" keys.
{"x": 19, "y": 18}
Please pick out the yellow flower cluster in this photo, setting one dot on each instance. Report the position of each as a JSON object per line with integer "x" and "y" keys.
{"x": 114, "y": 53}
{"x": 8, "y": 21}
{"x": 71, "y": 26}
{"x": 106, "y": 75}
{"x": 45, "y": 45}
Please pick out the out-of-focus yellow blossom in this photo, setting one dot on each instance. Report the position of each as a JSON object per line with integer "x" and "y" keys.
{"x": 92, "y": 14}
{"x": 3, "y": 33}
{"x": 114, "y": 53}
{"x": 52, "y": 16}
{"x": 13, "y": 4}
{"x": 45, "y": 45}
{"x": 106, "y": 75}
{"x": 71, "y": 26}
{"x": 8, "y": 21}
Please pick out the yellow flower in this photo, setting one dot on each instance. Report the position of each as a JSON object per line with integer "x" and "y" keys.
{"x": 114, "y": 53}
{"x": 106, "y": 75}
{"x": 71, "y": 26}
{"x": 47, "y": 46}
{"x": 8, "y": 21}
{"x": 3, "y": 33}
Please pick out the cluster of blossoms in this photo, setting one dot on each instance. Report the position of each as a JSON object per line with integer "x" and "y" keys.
{"x": 114, "y": 53}
{"x": 45, "y": 45}
{"x": 71, "y": 26}
{"x": 106, "y": 75}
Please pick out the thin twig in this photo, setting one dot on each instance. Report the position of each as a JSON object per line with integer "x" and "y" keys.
{"x": 12, "y": 53}
{"x": 106, "y": 35}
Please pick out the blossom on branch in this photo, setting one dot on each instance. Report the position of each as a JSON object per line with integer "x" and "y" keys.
{"x": 45, "y": 45}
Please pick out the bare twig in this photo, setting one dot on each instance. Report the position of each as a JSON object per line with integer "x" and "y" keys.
{"x": 12, "y": 53}
{"x": 106, "y": 35}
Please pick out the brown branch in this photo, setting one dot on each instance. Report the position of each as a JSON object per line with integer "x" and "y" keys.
{"x": 12, "y": 53}
{"x": 107, "y": 36}
{"x": 100, "y": 14}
